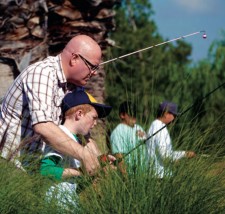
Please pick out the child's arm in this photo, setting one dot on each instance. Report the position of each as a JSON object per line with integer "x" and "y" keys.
{"x": 70, "y": 172}
{"x": 51, "y": 167}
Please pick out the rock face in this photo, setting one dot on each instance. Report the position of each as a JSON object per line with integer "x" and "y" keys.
{"x": 6, "y": 78}
{"x": 31, "y": 30}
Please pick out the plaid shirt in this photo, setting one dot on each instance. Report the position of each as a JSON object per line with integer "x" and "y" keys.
{"x": 34, "y": 97}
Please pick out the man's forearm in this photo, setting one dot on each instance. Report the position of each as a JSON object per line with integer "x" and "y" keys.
{"x": 62, "y": 143}
{"x": 56, "y": 138}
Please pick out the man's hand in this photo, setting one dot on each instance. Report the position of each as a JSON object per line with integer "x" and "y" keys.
{"x": 61, "y": 142}
{"x": 90, "y": 162}
{"x": 92, "y": 146}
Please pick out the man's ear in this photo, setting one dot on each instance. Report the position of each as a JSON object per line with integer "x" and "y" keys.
{"x": 74, "y": 59}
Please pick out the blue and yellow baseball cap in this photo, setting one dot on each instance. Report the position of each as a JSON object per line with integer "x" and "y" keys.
{"x": 79, "y": 97}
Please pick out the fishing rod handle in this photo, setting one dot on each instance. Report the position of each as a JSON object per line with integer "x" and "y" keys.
{"x": 104, "y": 160}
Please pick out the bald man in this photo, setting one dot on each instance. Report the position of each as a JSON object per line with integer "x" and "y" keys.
{"x": 30, "y": 112}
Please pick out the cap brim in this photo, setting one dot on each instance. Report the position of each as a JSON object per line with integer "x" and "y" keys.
{"x": 102, "y": 110}
{"x": 175, "y": 113}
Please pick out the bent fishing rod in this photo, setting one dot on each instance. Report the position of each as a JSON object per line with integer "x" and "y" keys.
{"x": 198, "y": 100}
{"x": 204, "y": 36}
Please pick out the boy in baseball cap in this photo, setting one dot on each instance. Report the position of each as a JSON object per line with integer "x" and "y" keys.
{"x": 80, "y": 97}
{"x": 159, "y": 145}
{"x": 80, "y": 112}
{"x": 167, "y": 106}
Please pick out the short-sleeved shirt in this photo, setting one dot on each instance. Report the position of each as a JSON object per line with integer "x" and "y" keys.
{"x": 53, "y": 163}
{"x": 123, "y": 139}
{"x": 159, "y": 147}
{"x": 34, "y": 97}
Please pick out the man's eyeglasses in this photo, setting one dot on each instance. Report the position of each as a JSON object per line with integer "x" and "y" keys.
{"x": 89, "y": 65}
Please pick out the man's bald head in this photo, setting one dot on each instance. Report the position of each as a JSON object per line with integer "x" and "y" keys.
{"x": 83, "y": 45}
{"x": 79, "y": 56}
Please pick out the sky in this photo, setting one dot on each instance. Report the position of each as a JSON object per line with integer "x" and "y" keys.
{"x": 175, "y": 18}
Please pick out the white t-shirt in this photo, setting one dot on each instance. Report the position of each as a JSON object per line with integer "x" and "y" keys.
{"x": 67, "y": 160}
{"x": 63, "y": 191}
{"x": 159, "y": 147}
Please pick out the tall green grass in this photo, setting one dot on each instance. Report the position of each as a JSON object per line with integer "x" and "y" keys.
{"x": 196, "y": 186}
{"x": 23, "y": 193}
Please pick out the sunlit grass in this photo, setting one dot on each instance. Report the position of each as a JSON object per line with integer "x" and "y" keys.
{"x": 196, "y": 186}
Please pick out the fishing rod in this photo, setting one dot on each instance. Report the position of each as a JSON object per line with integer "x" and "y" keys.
{"x": 103, "y": 159}
{"x": 204, "y": 36}
{"x": 198, "y": 100}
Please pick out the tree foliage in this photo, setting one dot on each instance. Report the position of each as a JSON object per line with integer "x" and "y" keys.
{"x": 163, "y": 73}
{"x": 138, "y": 76}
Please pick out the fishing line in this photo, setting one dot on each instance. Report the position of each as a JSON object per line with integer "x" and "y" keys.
{"x": 198, "y": 100}
{"x": 204, "y": 36}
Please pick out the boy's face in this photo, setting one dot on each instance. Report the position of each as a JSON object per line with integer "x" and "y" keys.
{"x": 168, "y": 117}
{"x": 128, "y": 120}
{"x": 88, "y": 121}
